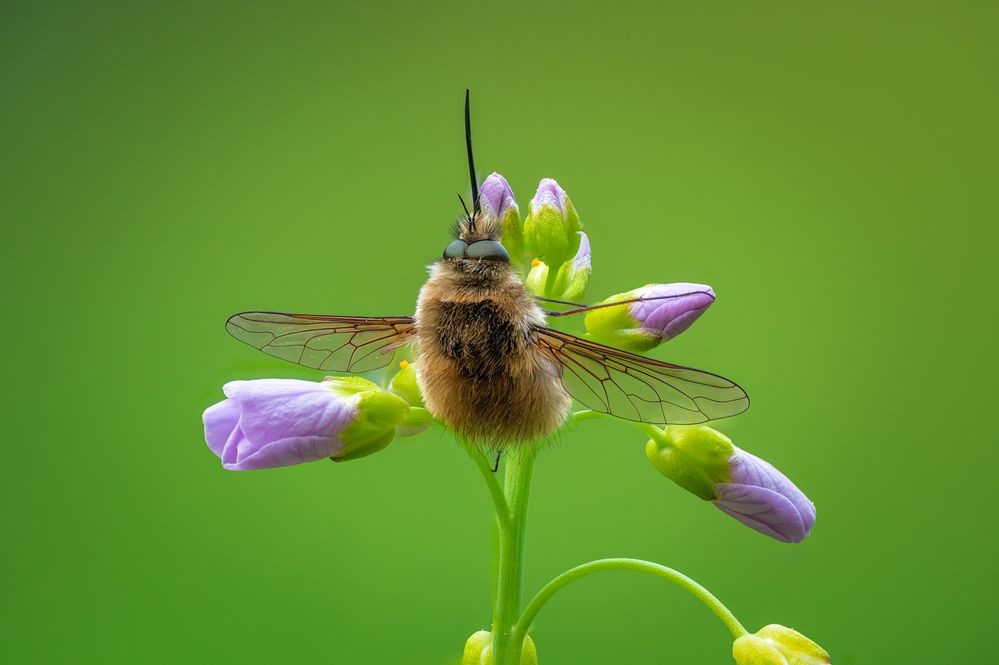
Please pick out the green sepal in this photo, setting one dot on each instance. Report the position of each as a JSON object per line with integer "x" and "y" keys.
{"x": 695, "y": 458}
{"x": 551, "y": 236}
{"x": 378, "y": 414}
{"x": 512, "y": 228}
{"x": 615, "y": 326}
{"x": 570, "y": 282}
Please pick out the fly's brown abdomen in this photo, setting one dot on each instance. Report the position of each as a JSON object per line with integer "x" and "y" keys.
{"x": 479, "y": 338}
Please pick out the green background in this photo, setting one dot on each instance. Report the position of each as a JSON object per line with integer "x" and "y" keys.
{"x": 829, "y": 169}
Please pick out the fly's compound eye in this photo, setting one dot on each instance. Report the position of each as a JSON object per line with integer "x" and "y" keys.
{"x": 488, "y": 249}
{"x": 455, "y": 250}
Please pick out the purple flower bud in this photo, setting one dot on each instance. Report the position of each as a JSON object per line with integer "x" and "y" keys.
{"x": 762, "y": 498}
{"x": 705, "y": 462}
{"x": 496, "y": 201}
{"x": 666, "y": 311}
{"x": 551, "y": 226}
{"x": 549, "y": 193}
{"x": 677, "y": 306}
{"x": 496, "y": 197}
{"x": 280, "y": 422}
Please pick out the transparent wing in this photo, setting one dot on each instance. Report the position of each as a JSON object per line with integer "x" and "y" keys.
{"x": 329, "y": 343}
{"x": 633, "y": 387}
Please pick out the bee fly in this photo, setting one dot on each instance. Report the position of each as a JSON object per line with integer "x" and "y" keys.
{"x": 488, "y": 366}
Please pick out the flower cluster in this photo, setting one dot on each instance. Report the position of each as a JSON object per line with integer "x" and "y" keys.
{"x": 553, "y": 254}
{"x": 275, "y": 422}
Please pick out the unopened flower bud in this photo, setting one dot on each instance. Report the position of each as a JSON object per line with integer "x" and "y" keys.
{"x": 663, "y": 312}
{"x": 777, "y": 645}
{"x": 404, "y": 384}
{"x": 479, "y": 650}
{"x": 704, "y": 462}
{"x": 574, "y": 275}
{"x": 537, "y": 278}
{"x": 281, "y": 422}
{"x": 496, "y": 201}
{"x": 550, "y": 230}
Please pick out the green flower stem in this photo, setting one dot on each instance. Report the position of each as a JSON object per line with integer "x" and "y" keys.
{"x": 651, "y": 431}
{"x": 420, "y": 416}
{"x": 573, "y": 574}
{"x": 550, "y": 279}
{"x": 510, "y": 577}
{"x": 417, "y": 415}
{"x": 492, "y": 484}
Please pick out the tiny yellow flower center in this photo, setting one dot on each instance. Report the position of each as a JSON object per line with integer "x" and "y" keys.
{"x": 404, "y": 364}
{"x": 535, "y": 263}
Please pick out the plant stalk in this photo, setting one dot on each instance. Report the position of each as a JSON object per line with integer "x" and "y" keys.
{"x": 638, "y": 565}
{"x": 512, "y": 542}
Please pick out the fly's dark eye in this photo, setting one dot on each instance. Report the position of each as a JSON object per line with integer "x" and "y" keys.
{"x": 488, "y": 249}
{"x": 455, "y": 250}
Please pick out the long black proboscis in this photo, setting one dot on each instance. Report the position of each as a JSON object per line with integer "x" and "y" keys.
{"x": 471, "y": 160}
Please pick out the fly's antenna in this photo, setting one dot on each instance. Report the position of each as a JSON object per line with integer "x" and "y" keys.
{"x": 465, "y": 207}
{"x": 471, "y": 162}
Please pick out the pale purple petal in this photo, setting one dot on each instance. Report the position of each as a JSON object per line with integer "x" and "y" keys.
{"x": 274, "y": 409}
{"x": 277, "y": 422}
{"x": 220, "y": 420}
{"x": 549, "y": 193}
{"x": 768, "y": 512}
{"x": 496, "y": 196}
{"x": 582, "y": 259}
{"x": 285, "y": 452}
{"x": 671, "y": 308}
{"x": 763, "y": 498}
{"x": 230, "y": 453}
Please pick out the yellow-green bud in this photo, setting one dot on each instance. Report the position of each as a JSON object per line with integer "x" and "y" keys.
{"x": 479, "y": 650}
{"x": 574, "y": 275}
{"x": 571, "y": 280}
{"x": 537, "y": 278}
{"x": 778, "y": 645}
{"x": 404, "y": 384}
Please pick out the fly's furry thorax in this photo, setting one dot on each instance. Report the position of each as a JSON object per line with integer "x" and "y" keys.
{"x": 475, "y": 275}
{"x": 480, "y": 227}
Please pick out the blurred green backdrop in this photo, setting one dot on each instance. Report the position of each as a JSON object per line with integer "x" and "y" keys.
{"x": 829, "y": 169}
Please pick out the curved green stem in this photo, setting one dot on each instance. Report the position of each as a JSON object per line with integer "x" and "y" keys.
{"x": 651, "y": 431}
{"x": 573, "y": 574}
